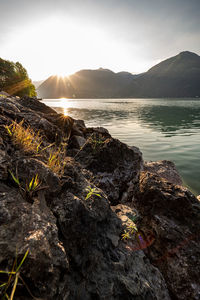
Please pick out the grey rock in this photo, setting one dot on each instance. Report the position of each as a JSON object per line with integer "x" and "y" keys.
{"x": 77, "y": 142}
{"x": 170, "y": 222}
{"x": 165, "y": 169}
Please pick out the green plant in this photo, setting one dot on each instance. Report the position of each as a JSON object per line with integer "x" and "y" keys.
{"x": 131, "y": 231}
{"x": 24, "y": 138}
{"x": 96, "y": 141}
{"x": 34, "y": 185}
{"x": 13, "y": 277}
{"x": 91, "y": 192}
{"x": 15, "y": 178}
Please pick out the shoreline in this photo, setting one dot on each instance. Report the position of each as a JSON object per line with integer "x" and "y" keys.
{"x": 150, "y": 132}
{"x": 96, "y": 214}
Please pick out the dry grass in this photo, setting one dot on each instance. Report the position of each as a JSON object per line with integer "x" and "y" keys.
{"x": 30, "y": 141}
{"x": 24, "y": 138}
{"x": 56, "y": 160}
{"x": 13, "y": 278}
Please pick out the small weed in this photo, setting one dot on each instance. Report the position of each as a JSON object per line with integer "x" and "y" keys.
{"x": 13, "y": 277}
{"x": 15, "y": 178}
{"x": 96, "y": 141}
{"x": 132, "y": 231}
{"x": 24, "y": 138}
{"x": 34, "y": 185}
{"x": 92, "y": 192}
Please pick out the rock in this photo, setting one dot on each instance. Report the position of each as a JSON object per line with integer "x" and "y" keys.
{"x": 27, "y": 168}
{"x": 9, "y": 105}
{"x": 35, "y": 105}
{"x": 4, "y": 164}
{"x": 170, "y": 223}
{"x": 114, "y": 239}
{"x": 64, "y": 123}
{"x": 74, "y": 236}
{"x": 77, "y": 142}
{"x": 80, "y": 124}
{"x": 165, "y": 169}
{"x": 4, "y": 94}
{"x": 25, "y": 226}
{"x": 76, "y": 131}
{"x": 90, "y": 232}
{"x": 115, "y": 165}
{"x": 156, "y": 195}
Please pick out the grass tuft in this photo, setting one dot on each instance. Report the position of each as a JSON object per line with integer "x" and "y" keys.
{"x": 13, "y": 277}
{"x": 30, "y": 141}
{"x": 56, "y": 160}
{"x": 31, "y": 187}
{"x": 24, "y": 138}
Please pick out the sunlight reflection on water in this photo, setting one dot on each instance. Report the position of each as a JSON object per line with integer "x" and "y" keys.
{"x": 161, "y": 128}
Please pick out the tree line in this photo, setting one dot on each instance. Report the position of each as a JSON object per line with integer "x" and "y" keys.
{"x": 14, "y": 79}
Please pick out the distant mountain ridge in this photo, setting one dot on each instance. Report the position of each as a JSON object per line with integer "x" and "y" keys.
{"x": 100, "y": 83}
{"x": 178, "y": 76}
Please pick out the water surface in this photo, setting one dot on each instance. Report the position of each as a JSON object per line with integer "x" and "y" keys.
{"x": 161, "y": 128}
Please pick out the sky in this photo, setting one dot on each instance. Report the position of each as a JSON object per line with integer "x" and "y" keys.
{"x": 63, "y": 36}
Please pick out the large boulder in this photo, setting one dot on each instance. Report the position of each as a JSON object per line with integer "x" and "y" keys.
{"x": 170, "y": 223}
{"x": 114, "y": 165}
{"x": 26, "y": 226}
{"x": 165, "y": 169}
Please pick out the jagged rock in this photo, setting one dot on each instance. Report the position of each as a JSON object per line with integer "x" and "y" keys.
{"x": 78, "y": 128}
{"x": 27, "y": 168}
{"x": 165, "y": 169}
{"x": 80, "y": 124}
{"x": 35, "y": 105}
{"x": 74, "y": 238}
{"x": 25, "y": 226}
{"x": 114, "y": 165}
{"x": 77, "y": 141}
{"x": 157, "y": 195}
{"x": 91, "y": 235}
{"x": 170, "y": 221}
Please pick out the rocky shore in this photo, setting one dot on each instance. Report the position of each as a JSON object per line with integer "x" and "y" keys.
{"x": 95, "y": 221}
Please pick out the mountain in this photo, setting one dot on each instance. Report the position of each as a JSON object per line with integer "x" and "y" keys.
{"x": 37, "y": 83}
{"x": 100, "y": 83}
{"x": 178, "y": 76}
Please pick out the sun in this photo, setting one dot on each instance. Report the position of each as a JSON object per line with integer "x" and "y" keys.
{"x": 62, "y": 74}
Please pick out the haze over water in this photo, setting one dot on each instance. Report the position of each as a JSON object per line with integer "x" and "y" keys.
{"x": 162, "y": 128}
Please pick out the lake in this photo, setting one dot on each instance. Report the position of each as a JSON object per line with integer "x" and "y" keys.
{"x": 162, "y": 128}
